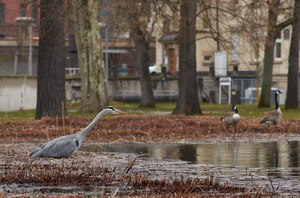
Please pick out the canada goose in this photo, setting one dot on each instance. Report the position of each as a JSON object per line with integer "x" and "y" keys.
{"x": 273, "y": 117}
{"x": 231, "y": 118}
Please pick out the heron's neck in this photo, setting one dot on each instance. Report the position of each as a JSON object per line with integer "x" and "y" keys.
{"x": 88, "y": 128}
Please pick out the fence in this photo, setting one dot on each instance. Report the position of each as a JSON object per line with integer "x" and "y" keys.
{"x": 246, "y": 89}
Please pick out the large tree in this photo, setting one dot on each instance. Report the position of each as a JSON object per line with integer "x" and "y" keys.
{"x": 137, "y": 17}
{"x": 268, "y": 61}
{"x": 142, "y": 44}
{"x": 188, "y": 102}
{"x": 292, "y": 90}
{"x": 273, "y": 30}
{"x": 90, "y": 54}
{"x": 51, "y": 60}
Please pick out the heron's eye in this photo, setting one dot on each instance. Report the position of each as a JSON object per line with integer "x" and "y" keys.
{"x": 111, "y": 108}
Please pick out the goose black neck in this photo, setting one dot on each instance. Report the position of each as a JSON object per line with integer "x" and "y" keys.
{"x": 276, "y": 101}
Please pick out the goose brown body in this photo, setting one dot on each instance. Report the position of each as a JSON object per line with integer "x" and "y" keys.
{"x": 231, "y": 118}
{"x": 273, "y": 117}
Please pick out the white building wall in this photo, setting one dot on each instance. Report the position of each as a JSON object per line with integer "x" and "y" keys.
{"x": 17, "y": 93}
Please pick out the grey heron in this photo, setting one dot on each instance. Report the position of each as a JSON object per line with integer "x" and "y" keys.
{"x": 65, "y": 146}
{"x": 231, "y": 118}
{"x": 273, "y": 117}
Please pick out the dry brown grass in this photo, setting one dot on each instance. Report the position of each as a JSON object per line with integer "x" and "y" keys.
{"x": 75, "y": 173}
{"x": 133, "y": 128}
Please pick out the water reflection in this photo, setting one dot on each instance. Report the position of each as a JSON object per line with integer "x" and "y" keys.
{"x": 272, "y": 155}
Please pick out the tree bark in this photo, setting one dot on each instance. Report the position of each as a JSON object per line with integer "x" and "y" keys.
{"x": 142, "y": 52}
{"x": 51, "y": 60}
{"x": 136, "y": 16}
{"x": 292, "y": 89}
{"x": 90, "y": 55}
{"x": 188, "y": 102}
{"x": 268, "y": 61}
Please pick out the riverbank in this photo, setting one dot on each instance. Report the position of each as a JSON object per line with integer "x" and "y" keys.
{"x": 120, "y": 174}
{"x": 147, "y": 128}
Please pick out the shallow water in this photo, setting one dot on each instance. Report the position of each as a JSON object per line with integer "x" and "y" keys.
{"x": 279, "y": 158}
{"x": 266, "y": 166}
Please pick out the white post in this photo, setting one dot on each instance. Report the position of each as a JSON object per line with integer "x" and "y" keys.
{"x": 220, "y": 93}
{"x": 16, "y": 63}
{"x": 229, "y": 90}
{"x": 225, "y": 81}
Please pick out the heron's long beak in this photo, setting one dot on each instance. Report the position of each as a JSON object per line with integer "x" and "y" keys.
{"x": 118, "y": 111}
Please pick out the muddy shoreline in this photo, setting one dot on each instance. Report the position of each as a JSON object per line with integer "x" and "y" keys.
{"x": 88, "y": 173}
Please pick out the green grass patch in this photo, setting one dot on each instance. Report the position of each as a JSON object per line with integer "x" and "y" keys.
{"x": 245, "y": 110}
{"x": 17, "y": 115}
{"x": 248, "y": 110}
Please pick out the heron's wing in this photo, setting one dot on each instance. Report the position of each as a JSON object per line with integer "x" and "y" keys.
{"x": 60, "y": 147}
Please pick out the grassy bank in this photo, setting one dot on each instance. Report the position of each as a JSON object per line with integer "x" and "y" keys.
{"x": 245, "y": 110}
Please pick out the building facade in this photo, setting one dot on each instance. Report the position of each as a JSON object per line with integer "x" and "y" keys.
{"x": 237, "y": 29}
{"x": 19, "y": 28}
{"x": 229, "y": 46}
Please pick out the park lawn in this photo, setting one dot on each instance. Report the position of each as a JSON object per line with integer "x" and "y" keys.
{"x": 245, "y": 110}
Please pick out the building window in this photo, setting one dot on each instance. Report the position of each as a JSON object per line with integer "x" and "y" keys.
{"x": 2, "y": 13}
{"x": 277, "y": 48}
{"x": 207, "y": 58}
{"x": 22, "y": 9}
{"x": 286, "y": 34}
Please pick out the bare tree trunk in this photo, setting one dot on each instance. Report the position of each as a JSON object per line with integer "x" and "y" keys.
{"x": 142, "y": 52}
{"x": 292, "y": 90}
{"x": 264, "y": 100}
{"x": 51, "y": 60}
{"x": 188, "y": 102}
{"x": 140, "y": 18}
{"x": 90, "y": 54}
{"x": 273, "y": 30}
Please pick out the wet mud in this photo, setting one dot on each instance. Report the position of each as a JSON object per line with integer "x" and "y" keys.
{"x": 121, "y": 174}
